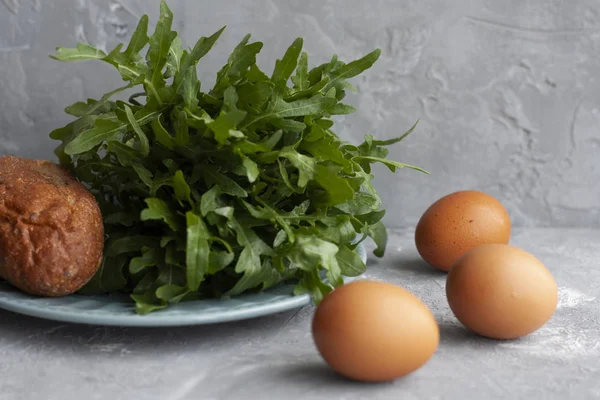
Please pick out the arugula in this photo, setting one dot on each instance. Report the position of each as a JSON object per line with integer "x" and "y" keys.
{"x": 229, "y": 190}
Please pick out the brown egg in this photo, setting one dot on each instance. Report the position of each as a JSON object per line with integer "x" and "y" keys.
{"x": 374, "y": 331}
{"x": 501, "y": 291}
{"x": 458, "y": 222}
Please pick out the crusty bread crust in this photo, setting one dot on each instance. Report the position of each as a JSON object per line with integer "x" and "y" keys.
{"x": 51, "y": 229}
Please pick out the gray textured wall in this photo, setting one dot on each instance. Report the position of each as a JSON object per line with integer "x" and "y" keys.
{"x": 507, "y": 92}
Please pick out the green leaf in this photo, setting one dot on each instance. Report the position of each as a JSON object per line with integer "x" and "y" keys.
{"x": 138, "y": 40}
{"x": 144, "y": 144}
{"x": 158, "y": 209}
{"x": 189, "y": 61}
{"x": 197, "y": 250}
{"x": 83, "y": 51}
{"x": 126, "y": 154}
{"x": 102, "y": 131}
{"x": 219, "y": 261}
{"x": 174, "y": 60}
{"x": 286, "y": 66}
{"x": 158, "y": 54}
{"x": 238, "y": 63}
{"x": 171, "y": 293}
{"x": 353, "y": 69}
{"x": 143, "y": 173}
{"x": 341, "y": 109}
{"x": 371, "y": 218}
{"x": 147, "y": 303}
{"x": 129, "y": 244}
{"x": 149, "y": 258}
{"x": 212, "y": 176}
{"x": 253, "y": 96}
{"x": 181, "y": 188}
{"x": 298, "y": 108}
{"x": 392, "y": 165}
{"x": 301, "y": 78}
{"x": 162, "y": 136}
{"x": 210, "y": 201}
{"x": 288, "y": 124}
{"x": 362, "y": 203}
{"x": 311, "y": 282}
{"x": 108, "y": 278}
{"x": 341, "y": 232}
{"x": 103, "y": 105}
{"x": 135, "y": 73}
{"x": 280, "y": 238}
{"x": 395, "y": 140}
{"x": 123, "y": 218}
{"x": 378, "y": 233}
{"x": 350, "y": 262}
{"x": 250, "y": 168}
{"x": 191, "y": 86}
{"x": 225, "y": 125}
{"x": 249, "y": 263}
{"x": 337, "y": 187}
{"x": 202, "y": 47}
{"x": 311, "y": 253}
{"x": 306, "y": 165}
{"x": 243, "y": 56}
{"x": 182, "y": 133}
{"x": 327, "y": 149}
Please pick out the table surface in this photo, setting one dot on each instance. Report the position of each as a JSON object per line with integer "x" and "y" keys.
{"x": 274, "y": 357}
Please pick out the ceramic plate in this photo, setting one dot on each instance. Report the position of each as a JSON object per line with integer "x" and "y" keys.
{"x": 119, "y": 310}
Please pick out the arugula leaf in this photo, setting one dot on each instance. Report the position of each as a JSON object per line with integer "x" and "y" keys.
{"x": 171, "y": 293}
{"x": 378, "y": 232}
{"x": 109, "y": 277}
{"x": 159, "y": 209}
{"x": 103, "y": 130}
{"x": 158, "y": 53}
{"x": 82, "y": 52}
{"x": 197, "y": 250}
{"x": 249, "y": 263}
{"x": 149, "y": 258}
{"x": 174, "y": 59}
{"x": 212, "y": 176}
{"x": 392, "y": 165}
{"x": 162, "y": 135}
{"x": 181, "y": 187}
{"x": 138, "y": 40}
{"x": 352, "y": 69}
{"x": 229, "y": 190}
{"x": 202, "y": 47}
{"x": 285, "y": 67}
{"x": 144, "y": 144}
{"x": 301, "y": 78}
{"x": 311, "y": 253}
{"x": 350, "y": 262}
{"x": 147, "y": 303}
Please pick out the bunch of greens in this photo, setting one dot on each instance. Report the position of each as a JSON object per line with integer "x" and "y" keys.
{"x": 236, "y": 189}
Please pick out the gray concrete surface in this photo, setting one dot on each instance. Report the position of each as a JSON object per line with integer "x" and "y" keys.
{"x": 507, "y": 92}
{"x": 274, "y": 357}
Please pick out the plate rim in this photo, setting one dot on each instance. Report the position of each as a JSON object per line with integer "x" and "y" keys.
{"x": 156, "y": 319}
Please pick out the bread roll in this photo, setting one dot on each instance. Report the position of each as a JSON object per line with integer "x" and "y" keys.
{"x": 51, "y": 229}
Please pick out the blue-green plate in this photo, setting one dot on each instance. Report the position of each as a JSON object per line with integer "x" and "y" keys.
{"x": 119, "y": 310}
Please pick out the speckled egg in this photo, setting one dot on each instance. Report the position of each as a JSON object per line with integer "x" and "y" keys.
{"x": 458, "y": 222}
{"x": 374, "y": 331}
{"x": 501, "y": 291}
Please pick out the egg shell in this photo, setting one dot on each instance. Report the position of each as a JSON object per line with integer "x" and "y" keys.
{"x": 374, "y": 331}
{"x": 458, "y": 222}
{"x": 501, "y": 291}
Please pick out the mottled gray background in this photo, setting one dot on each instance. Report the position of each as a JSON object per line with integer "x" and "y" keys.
{"x": 507, "y": 92}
